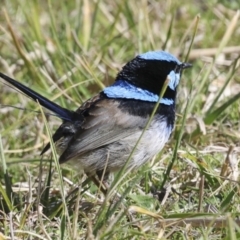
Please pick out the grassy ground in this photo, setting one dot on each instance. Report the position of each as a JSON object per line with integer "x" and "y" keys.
{"x": 68, "y": 51}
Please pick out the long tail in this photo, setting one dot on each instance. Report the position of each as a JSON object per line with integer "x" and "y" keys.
{"x": 61, "y": 112}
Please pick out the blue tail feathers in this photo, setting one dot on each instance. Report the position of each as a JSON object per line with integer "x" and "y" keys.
{"x": 61, "y": 112}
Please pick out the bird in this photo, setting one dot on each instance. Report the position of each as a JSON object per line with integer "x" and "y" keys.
{"x": 101, "y": 134}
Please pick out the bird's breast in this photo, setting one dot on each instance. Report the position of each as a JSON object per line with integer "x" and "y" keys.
{"x": 116, "y": 154}
{"x": 151, "y": 142}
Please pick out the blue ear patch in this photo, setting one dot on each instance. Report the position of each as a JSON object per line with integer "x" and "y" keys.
{"x": 159, "y": 55}
{"x": 123, "y": 89}
{"x": 174, "y": 79}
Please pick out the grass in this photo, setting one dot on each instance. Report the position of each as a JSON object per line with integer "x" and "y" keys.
{"x": 68, "y": 51}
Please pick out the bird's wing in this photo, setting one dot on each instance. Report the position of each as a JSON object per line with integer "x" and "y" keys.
{"x": 105, "y": 123}
{"x": 69, "y": 128}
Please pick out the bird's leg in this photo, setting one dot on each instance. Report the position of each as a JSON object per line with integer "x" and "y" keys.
{"x": 103, "y": 177}
{"x": 96, "y": 181}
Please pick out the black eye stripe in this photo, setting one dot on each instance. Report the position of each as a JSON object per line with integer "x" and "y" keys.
{"x": 182, "y": 66}
{"x": 178, "y": 68}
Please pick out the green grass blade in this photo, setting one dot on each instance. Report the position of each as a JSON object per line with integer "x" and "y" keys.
{"x": 212, "y": 116}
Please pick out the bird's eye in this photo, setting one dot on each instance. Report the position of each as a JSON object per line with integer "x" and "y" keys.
{"x": 182, "y": 66}
{"x": 178, "y": 68}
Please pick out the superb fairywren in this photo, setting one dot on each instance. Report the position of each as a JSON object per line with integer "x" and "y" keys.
{"x": 101, "y": 134}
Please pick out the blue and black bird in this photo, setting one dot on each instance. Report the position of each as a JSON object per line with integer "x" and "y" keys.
{"x": 101, "y": 134}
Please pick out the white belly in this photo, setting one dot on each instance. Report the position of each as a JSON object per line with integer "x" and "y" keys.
{"x": 116, "y": 154}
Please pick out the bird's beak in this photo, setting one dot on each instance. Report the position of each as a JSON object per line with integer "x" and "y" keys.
{"x": 186, "y": 65}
